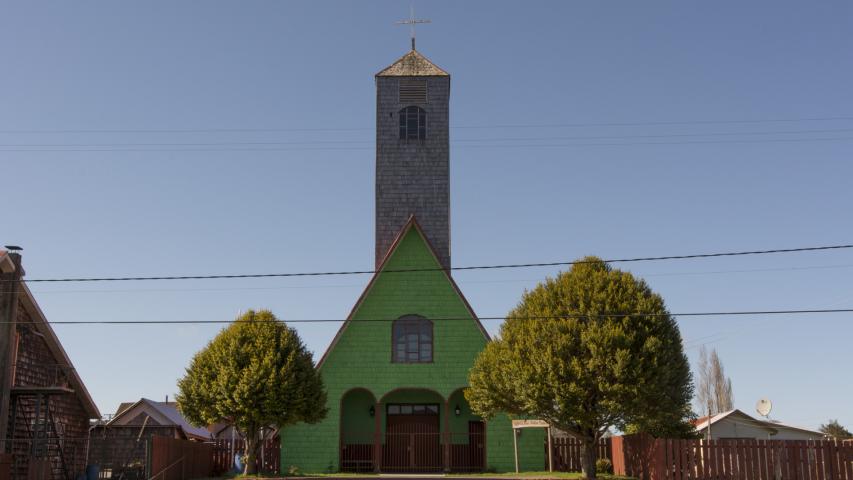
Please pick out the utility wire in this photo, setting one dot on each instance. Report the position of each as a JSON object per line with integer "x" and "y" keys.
{"x": 461, "y": 282}
{"x": 412, "y": 270}
{"x": 354, "y": 148}
{"x": 442, "y": 319}
{"x": 481, "y": 126}
{"x": 461, "y": 140}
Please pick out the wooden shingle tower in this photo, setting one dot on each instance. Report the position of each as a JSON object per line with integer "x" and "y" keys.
{"x": 413, "y": 153}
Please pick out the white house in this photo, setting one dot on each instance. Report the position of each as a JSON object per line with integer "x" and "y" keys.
{"x": 736, "y": 424}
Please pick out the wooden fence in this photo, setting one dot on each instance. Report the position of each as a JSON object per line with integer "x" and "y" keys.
{"x": 567, "y": 453}
{"x": 175, "y": 459}
{"x": 745, "y": 459}
{"x": 5, "y": 466}
{"x": 224, "y": 450}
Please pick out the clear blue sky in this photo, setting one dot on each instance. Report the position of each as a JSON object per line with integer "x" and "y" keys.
{"x": 307, "y": 203}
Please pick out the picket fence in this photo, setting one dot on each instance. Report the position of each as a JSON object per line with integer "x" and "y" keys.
{"x": 224, "y": 450}
{"x": 567, "y": 453}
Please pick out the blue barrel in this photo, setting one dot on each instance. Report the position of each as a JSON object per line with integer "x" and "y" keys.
{"x": 92, "y": 472}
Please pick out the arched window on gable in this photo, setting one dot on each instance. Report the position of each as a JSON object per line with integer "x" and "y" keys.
{"x": 412, "y": 123}
{"x": 412, "y": 340}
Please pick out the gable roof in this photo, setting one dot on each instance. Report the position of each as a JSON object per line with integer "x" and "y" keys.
{"x": 412, "y": 64}
{"x": 43, "y": 327}
{"x": 169, "y": 410}
{"x": 412, "y": 223}
{"x": 6, "y": 263}
{"x": 702, "y": 422}
{"x": 124, "y": 406}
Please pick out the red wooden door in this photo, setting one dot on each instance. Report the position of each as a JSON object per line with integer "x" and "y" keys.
{"x": 412, "y": 443}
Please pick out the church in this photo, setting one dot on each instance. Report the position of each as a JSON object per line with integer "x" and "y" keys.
{"x": 396, "y": 370}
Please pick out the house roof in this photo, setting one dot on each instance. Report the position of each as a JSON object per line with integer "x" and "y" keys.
{"x": 124, "y": 406}
{"x": 6, "y": 264}
{"x": 40, "y": 324}
{"x": 168, "y": 410}
{"x": 43, "y": 327}
{"x": 702, "y": 422}
{"x": 412, "y": 64}
{"x": 412, "y": 223}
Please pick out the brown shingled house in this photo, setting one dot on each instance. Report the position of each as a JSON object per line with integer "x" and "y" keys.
{"x": 45, "y": 409}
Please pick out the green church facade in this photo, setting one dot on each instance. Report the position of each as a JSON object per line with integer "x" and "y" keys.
{"x": 396, "y": 371}
{"x": 362, "y": 381}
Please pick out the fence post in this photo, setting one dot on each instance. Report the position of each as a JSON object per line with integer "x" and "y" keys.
{"x": 550, "y": 452}
{"x": 148, "y": 471}
{"x": 377, "y": 438}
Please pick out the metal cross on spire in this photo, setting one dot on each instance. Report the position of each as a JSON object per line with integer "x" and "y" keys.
{"x": 411, "y": 22}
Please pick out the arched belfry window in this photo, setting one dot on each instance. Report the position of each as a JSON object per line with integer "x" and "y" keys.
{"x": 412, "y": 340}
{"x": 412, "y": 123}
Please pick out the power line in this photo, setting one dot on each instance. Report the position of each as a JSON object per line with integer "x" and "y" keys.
{"x": 481, "y": 126}
{"x": 412, "y": 270}
{"x": 461, "y": 140}
{"x": 538, "y": 318}
{"x": 461, "y": 282}
{"x": 354, "y": 148}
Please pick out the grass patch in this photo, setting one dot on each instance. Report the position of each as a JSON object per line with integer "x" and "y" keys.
{"x": 543, "y": 474}
{"x": 508, "y": 475}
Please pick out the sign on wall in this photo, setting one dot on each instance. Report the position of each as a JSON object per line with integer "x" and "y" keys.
{"x": 530, "y": 424}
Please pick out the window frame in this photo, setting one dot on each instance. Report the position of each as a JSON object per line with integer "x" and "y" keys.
{"x": 427, "y": 409}
{"x": 424, "y": 325}
{"x": 420, "y": 124}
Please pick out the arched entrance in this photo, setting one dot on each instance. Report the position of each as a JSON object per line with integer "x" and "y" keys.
{"x": 467, "y": 437}
{"x": 410, "y": 430}
{"x": 413, "y": 431}
{"x": 357, "y": 435}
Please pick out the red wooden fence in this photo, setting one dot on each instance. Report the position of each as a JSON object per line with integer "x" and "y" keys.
{"x": 743, "y": 459}
{"x": 174, "y": 459}
{"x": 269, "y": 455}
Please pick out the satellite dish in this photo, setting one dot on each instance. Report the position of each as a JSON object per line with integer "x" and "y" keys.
{"x": 763, "y": 407}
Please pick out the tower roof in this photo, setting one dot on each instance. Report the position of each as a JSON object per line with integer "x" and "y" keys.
{"x": 413, "y": 64}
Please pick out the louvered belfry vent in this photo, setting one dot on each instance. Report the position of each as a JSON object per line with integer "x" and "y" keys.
{"x": 413, "y": 91}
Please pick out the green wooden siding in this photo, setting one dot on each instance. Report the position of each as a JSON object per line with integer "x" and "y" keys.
{"x": 361, "y": 358}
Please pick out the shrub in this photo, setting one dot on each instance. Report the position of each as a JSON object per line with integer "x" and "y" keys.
{"x": 603, "y": 465}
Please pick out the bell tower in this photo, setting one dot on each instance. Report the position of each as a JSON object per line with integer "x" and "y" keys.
{"x": 413, "y": 152}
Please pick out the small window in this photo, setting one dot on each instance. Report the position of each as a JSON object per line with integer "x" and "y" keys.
{"x": 412, "y": 409}
{"x": 412, "y": 339}
{"x": 412, "y": 123}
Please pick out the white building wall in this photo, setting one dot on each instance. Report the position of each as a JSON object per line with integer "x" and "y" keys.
{"x": 737, "y": 427}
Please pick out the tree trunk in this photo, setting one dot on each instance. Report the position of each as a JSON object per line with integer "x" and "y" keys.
{"x": 251, "y": 467}
{"x": 588, "y": 457}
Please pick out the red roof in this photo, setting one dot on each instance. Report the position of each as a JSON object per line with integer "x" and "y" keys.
{"x": 699, "y": 420}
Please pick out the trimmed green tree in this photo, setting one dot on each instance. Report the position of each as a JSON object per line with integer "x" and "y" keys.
{"x": 257, "y": 375}
{"x": 591, "y": 349}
